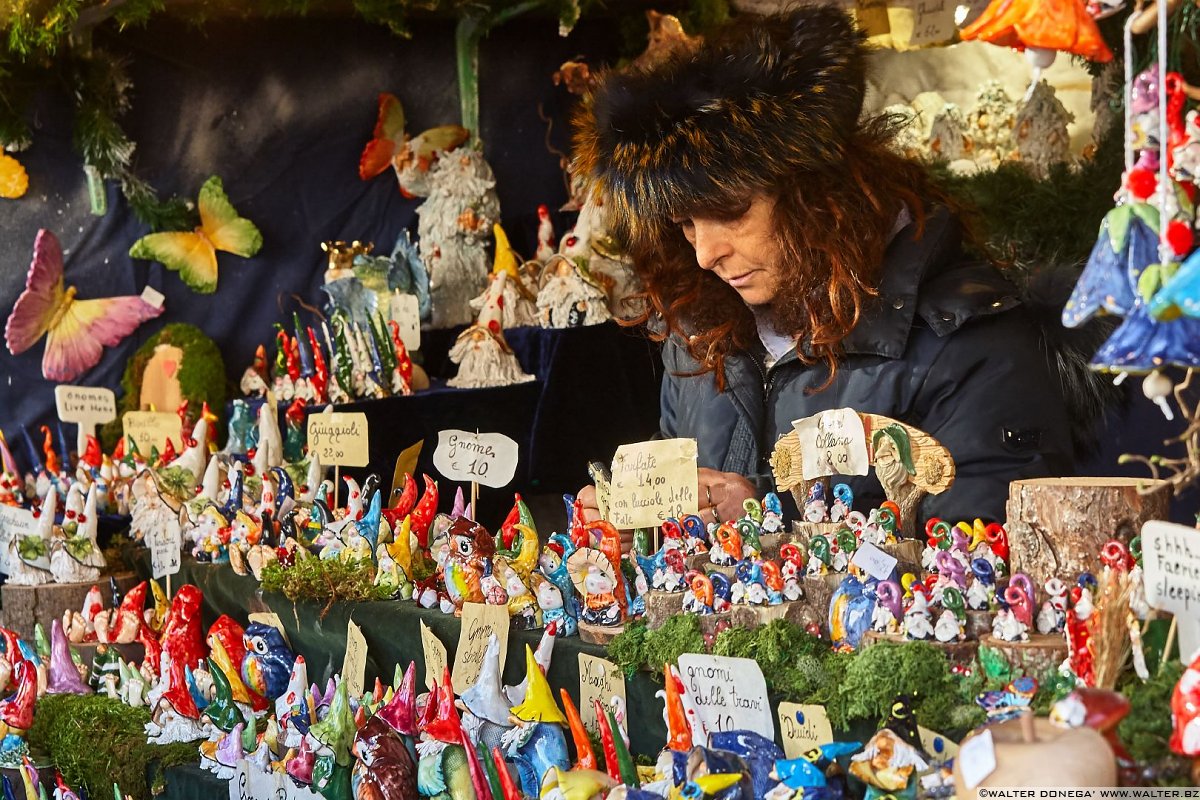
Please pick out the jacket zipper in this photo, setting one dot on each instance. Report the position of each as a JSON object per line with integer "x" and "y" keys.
{"x": 768, "y": 379}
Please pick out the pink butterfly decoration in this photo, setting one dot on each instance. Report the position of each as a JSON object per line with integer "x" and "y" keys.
{"x": 77, "y": 331}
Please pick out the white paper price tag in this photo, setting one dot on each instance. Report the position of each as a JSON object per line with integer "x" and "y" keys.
{"x": 977, "y": 759}
{"x": 14, "y": 522}
{"x": 406, "y": 312}
{"x": 728, "y": 693}
{"x": 165, "y": 543}
{"x": 803, "y": 727}
{"x": 486, "y": 458}
{"x": 873, "y": 561}
{"x": 436, "y": 659}
{"x": 833, "y": 442}
{"x": 651, "y": 482}
{"x": 239, "y": 784}
{"x": 599, "y": 679}
{"x": 354, "y": 664}
{"x": 339, "y": 438}
{"x": 152, "y": 429}
{"x": 479, "y": 622}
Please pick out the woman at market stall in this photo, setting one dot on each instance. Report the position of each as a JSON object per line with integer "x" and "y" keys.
{"x": 793, "y": 262}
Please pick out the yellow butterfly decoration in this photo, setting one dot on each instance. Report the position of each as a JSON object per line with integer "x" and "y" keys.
{"x": 193, "y": 254}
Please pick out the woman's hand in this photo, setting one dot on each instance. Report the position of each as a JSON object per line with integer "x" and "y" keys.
{"x": 721, "y": 495}
{"x": 591, "y": 512}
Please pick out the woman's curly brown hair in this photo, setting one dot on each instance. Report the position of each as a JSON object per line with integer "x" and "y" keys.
{"x": 833, "y": 228}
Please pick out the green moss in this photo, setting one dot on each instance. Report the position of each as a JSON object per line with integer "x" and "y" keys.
{"x": 794, "y": 662}
{"x": 201, "y": 375}
{"x": 1147, "y": 729}
{"x": 678, "y": 635}
{"x": 628, "y": 648}
{"x": 331, "y": 581}
{"x": 68, "y": 727}
{"x": 877, "y": 675}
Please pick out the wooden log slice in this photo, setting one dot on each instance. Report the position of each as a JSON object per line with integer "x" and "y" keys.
{"x": 957, "y": 652}
{"x": 599, "y": 634}
{"x": 979, "y": 624}
{"x": 1041, "y": 654}
{"x": 1057, "y": 526}
{"x": 661, "y": 606}
{"x": 25, "y": 606}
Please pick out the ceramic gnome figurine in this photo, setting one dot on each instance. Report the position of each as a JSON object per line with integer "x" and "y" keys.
{"x": 29, "y": 556}
{"x": 452, "y": 231}
{"x": 569, "y": 296}
{"x": 483, "y": 356}
{"x": 516, "y": 299}
{"x": 76, "y": 557}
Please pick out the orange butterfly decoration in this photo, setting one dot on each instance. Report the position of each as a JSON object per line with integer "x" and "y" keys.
{"x": 390, "y": 144}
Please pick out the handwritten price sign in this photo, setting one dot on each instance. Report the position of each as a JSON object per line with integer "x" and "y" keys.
{"x": 486, "y": 458}
{"x": 14, "y": 522}
{"x": 652, "y": 481}
{"x": 436, "y": 660}
{"x": 479, "y": 622}
{"x": 152, "y": 429}
{"x": 729, "y": 694}
{"x": 354, "y": 665}
{"x": 339, "y": 438}
{"x": 803, "y": 727}
{"x": 165, "y": 542}
{"x": 832, "y": 443}
{"x": 599, "y": 679}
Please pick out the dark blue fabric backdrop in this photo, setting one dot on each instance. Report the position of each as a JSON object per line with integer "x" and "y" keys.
{"x": 280, "y": 109}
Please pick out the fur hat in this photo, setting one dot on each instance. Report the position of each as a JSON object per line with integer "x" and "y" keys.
{"x": 761, "y": 100}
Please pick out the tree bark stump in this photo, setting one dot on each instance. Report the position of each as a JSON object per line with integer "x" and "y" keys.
{"x": 25, "y": 606}
{"x": 956, "y": 652}
{"x": 1057, "y": 526}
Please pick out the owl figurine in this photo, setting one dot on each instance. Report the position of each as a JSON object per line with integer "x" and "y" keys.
{"x": 267, "y": 665}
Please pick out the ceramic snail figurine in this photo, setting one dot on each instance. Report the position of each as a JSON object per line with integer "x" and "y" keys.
{"x": 951, "y": 623}
{"x": 819, "y": 556}
{"x": 843, "y": 502}
{"x": 1052, "y": 617}
{"x": 937, "y": 538}
{"x": 888, "y": 611}
{"x": 981, "y": 592}
{"x": 791, "y": 569}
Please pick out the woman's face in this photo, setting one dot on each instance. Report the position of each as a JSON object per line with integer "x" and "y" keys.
{"x": 743, "y": 252}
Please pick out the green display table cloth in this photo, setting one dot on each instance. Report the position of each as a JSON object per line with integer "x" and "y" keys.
{"x": 392, "y": 630}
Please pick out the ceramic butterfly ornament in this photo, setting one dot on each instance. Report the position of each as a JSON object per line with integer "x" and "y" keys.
{"x": 193, "y": 254}
{"x": 76, "y": 330}
{"x": 391, "y": 145}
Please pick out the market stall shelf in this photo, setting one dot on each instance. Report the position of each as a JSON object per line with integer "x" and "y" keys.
{"x": 1057, "y": 526}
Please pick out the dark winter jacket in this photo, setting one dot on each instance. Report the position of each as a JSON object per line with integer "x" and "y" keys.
{"x": 945, "y": 347}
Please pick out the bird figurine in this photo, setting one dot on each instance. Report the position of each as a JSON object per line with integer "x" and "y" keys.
{"x": 267, "y": 665}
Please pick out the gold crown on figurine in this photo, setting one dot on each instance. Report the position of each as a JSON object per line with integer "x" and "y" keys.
{"x": 342, "y": 254}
